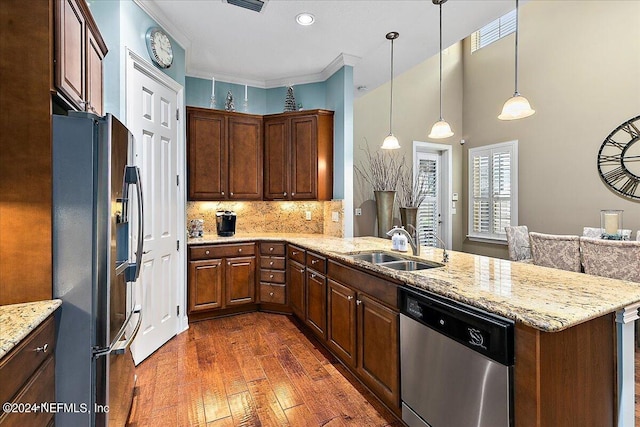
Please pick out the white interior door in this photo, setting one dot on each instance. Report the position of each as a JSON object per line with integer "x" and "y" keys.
{"x": 151, "y": 116}
{"x": 429, "y": 213}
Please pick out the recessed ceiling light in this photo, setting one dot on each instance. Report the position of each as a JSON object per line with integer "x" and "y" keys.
{"x": 305, "y": 19}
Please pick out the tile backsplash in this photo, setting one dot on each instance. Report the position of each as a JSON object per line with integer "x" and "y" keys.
{"x": 273, "y": 217}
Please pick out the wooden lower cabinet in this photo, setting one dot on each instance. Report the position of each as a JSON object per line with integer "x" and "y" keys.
{"x": 341, "y": 322}
{"x": 295, "y": 283}
{"x": 316, "y": 303}
{"x": 205, "y": 285}
{"x": 240, "y": 280}
{"x": 378, "y": 349}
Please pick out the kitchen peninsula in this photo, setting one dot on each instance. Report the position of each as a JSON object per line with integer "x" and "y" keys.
{"x": 565, "y": 335}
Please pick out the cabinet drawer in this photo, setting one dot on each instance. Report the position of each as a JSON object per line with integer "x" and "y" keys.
{"x": 272, "y": 276}
{"x": 268, "y": 248}
{"x": 316, "y": 262}
{"x": 295, "y": 253}
{"x": 272, "y": 293}
{"x": 23, "y": 360}
{"x": 272, "y": 262}
{"x": 221, "y": 251}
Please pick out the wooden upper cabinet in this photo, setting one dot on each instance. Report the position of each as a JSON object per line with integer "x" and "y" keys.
{"x": 225, "y": 155}
{"x": 245, "y": 157}
{"x": 207, "y": 152}
{"x": 298, "y": 163}
{"x": 79, "y": 50}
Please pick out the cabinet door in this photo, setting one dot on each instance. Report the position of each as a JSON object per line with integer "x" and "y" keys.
{"x": 341, "y": 322}
{"x": 295, "y": 284}
{"x": 378, "y": 349}
{"x": 316, "y": 310}
{"x": 304, "y": 162}
{"x": 245, "y": 158}
{"x": 70, "y": 51}
{"x": 240, "y": 283}
{"x": 205, "y": 284}
{"x": 94, "y": 75}
{"x": 276, "y": 159}
{"x": 207, "y": 162}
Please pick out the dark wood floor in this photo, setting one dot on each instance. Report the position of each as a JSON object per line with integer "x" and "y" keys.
{"x": 255, "y": 369}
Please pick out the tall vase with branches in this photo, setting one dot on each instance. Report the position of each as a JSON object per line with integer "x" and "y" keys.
{"x": 413, "y": 191}
{"x": 382, "y": 170}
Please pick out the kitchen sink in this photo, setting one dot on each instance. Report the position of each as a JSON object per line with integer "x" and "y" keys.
{"x": 376, "y": 257}
{"x": 407, "y": 265}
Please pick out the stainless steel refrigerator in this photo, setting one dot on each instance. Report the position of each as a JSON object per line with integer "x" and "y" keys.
{"x": 95, "y": 190}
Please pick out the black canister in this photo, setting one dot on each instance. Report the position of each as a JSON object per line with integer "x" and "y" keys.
{"x": 226, "y": 223}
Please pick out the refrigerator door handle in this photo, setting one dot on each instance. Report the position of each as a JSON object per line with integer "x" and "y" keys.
{"x": 118, "y": 346}
{"x": 132, "y": 176}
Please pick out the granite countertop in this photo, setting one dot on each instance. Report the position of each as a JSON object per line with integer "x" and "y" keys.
{"x": 17, "y": 320}
{"x": 544, "y": 298}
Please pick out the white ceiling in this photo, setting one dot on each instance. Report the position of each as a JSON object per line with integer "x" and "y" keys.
{"x": 269, "y": 49}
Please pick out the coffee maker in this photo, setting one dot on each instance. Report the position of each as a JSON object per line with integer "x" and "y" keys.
{"x": 226, "y": 223}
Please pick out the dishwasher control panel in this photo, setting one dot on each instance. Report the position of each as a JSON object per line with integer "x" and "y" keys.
{"x": 486, "y": 333}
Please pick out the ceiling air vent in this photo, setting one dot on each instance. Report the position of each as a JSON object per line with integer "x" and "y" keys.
{"x": 255, "y": 5}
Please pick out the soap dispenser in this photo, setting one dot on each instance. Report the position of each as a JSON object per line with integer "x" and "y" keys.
{"x": 394, "y": 238}
{"x": 402, "y": 242}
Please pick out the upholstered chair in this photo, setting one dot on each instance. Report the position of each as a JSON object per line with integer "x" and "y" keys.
{"x": 518, "y": 241}
{"x": 611, "y": 258}
{"x": 556, "y": 251}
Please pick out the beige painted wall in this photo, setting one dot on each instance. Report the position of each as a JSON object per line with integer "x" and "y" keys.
{"x": 415, "y": 110}
{"x": 580, "y": 69}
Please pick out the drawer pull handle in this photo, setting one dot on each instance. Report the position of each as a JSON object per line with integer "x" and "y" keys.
{"x": 206, "y": 252}
{"x": 270, "y": 294}
{"x": 358, "y": 302}
{"x": 42, "y": 349}
{"x": 350, "y": 297}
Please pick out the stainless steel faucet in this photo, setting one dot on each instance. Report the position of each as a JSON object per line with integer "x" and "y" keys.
{"x": 415, "y": 244}
{"x": 445, "y": 255}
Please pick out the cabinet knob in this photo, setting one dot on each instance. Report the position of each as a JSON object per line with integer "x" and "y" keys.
{"x": 302, "y": 270}
{"x": 293, "y": 194}
{"x": 271, "y": 263}
{"x": 42, "y": 349}
{"x": 285, "y": 194}
{"x": 240, "y": 250}
{"x": 350, "y": 297}
{"x": 228, "y": 262}
{"x": 270, "y": 294}
{"x": 270, "y": 249}
{"x": 294, "y": 253}
{"x": 231, "y": 193}
{"x": 271, "y": 276}
{"x": 206, "y": 252}
{"x": 313, "y": 261}
{"x": 313, "y": 276}
{"x": 358, "y": 302}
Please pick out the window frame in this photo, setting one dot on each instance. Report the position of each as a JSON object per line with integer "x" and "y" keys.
{"x": 494, "y": 31}
{"x": 490, "y": 237}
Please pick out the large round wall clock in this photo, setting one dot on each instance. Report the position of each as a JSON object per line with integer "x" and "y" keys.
{"x": 159, "y": 47}
{"x": 619, "y": 159}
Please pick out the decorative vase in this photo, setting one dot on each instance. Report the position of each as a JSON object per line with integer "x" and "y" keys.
{"x": 384, "y": 210}
{"x": 409, "y": 215}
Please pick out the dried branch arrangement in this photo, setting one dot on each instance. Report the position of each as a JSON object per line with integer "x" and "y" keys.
{"x": 412, "y": 192}
{"x": 383, "y": 171}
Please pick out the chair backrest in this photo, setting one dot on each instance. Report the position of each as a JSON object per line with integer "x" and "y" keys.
{"x": 518, "y": 241}
{"x": 592, "y": 232}
{"x": 556, "y": 251}
{"x": 611, "y": 258}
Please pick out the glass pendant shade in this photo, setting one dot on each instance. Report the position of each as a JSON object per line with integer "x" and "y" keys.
{"x": 440, "y": 129}
{"x": 516, "y": 107}
{"x": 390, "y": 143}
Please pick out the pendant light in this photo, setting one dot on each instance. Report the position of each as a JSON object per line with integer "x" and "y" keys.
{"x": 441, "y": 128}
{"x": 391, "y": 142}
{"x": 516, "y": 107}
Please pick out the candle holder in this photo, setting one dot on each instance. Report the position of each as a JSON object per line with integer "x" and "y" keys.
{"x": 212, "y": 101}
{"x": 611, "y": 224}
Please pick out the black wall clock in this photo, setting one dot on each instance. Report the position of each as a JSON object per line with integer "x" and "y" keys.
{"x": 619, "y": 159}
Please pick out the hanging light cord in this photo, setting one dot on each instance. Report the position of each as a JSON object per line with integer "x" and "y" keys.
{"x": 391, "y": 97}
{"x": 516, "y": 79}
{"x": 440, "y": 5}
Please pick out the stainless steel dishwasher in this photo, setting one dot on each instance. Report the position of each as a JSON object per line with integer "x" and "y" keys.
{"x": 456, "y": 364}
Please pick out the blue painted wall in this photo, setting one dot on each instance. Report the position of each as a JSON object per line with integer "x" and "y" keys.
{"x": 124, "y": 25}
